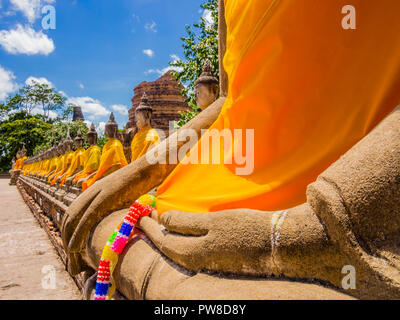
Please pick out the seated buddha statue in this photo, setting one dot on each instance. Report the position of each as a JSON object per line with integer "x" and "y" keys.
{"x": 68, "y": 155}
{"x": 146, "y": 136}
{"x": 60, "y": 160}
{"x": 42, "y": 157}
{"x": 91, "y": 158}
{"x": 323, "y": 193}
{"x": 78, "y": 159}
{"x": 112, "y": 155}
{"x": 51, "y": 164}
{"x": 39, "y": 162}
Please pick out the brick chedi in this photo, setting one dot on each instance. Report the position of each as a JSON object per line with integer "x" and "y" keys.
{"x": 164, "y": 96}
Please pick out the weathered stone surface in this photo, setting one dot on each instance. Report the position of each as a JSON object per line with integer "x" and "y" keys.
{"x": 144, "y": 273}
{"x": 165, "y": 98}
{"x": 24, "y": 250}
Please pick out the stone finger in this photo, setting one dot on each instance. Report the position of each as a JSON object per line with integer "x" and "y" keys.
{"x": 187, "y": 223}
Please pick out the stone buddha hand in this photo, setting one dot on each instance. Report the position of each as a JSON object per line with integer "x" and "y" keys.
{"x": 350, "y": 218}
{"x": 120, "y": 189}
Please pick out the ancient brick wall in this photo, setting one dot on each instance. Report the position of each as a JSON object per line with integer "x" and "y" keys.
{"x": 164, "y": 97}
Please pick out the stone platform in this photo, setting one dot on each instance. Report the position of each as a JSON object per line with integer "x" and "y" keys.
{"x": 27, "y": 257}
{"x": 154, "y": 276}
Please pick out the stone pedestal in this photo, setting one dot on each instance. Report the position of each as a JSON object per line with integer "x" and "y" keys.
{"x": 14, "y": 177}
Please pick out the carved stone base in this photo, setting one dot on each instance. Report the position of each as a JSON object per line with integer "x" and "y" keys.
{"x": 60, "y": 194}
{"x": 14, "y": 177}
{"x": 69, "y": 198}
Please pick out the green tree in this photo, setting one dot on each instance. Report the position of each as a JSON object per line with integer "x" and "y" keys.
{"x": 201, "y": 43}
{"x": 37, "y": 95}
{"x": 58, "y": 131}
{"x": 17, "y": 129}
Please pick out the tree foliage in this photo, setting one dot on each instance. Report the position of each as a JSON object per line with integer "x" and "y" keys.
{"x": 59, "y": 131}
{"x": 200, "y": 43}
{"x": 37, "y": 95}
{"x": 18, "y": 124}
{"x": 17, "y": 129}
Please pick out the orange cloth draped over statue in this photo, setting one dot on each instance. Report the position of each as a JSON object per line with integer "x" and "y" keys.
{"x": 92, "y": 161}
{"x": 19, "y": 163}
{"x": 112, "y": 158}
{"x": 142, "y": 141}
{"x": 51, "y": 166}
{"x": 67, "y": 160}
{"x": 77, "y": 162}
{"x": 59, "y": 166}
{"x": 310, "y": 90}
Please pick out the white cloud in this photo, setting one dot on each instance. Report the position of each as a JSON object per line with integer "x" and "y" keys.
{"x": 29, "y": 8}
{"x": 100, "y": 128}
{"x": 42, "y": 80}
{"x": 207, "y": 16}
{"x": 149, "y": 53}
{"x": 91, "y": 107}
{"x": 7, "y": 84}
{"x": 25, "y": 40}
{"x": 120, "y": 108}
{"x": 151, "y": 26}
{"x": 81, "y": 86}
{"x": 161, "y": 72}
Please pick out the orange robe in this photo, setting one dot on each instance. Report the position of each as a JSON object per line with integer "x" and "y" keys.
{"x": 60, "y": 163}
{"x": 142, "y": 141}
{"x": 68, "y": 156}
{"x": 309, "y": 89}
{"x": 112, "y": 157}
{"x": 19, "y": 163}
{"x": 77, "y": 162}
{"x": 92, "y": 161}
{"x": 50, "y": 167}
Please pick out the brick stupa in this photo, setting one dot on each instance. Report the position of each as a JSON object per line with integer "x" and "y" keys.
{"x": 164, "y": 96}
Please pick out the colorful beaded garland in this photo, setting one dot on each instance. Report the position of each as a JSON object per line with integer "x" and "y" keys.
{"x": 105, "y": 287}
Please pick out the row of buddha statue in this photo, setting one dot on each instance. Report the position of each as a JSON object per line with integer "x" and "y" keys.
{"x": 67, "y": 169}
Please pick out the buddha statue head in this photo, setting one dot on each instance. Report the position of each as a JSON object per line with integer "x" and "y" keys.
{"x": 23, "y": 151}
{"x": 78, "y": 141}
{"x": 68, "y": 143}
{"x": 60, "y": 147}
{"x": 143, "y": 113}
{"x": 111, "y": 129}
{"x": 91, "y": 136}
{"x": 206, "y": 87}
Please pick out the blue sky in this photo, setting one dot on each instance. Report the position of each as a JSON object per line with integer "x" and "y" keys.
{"x": 99, "y": 51}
